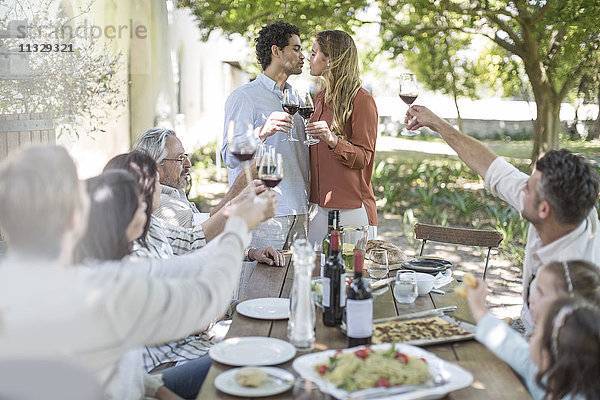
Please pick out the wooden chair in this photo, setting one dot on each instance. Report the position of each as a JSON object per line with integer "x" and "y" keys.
{"x": 469, "y": 237}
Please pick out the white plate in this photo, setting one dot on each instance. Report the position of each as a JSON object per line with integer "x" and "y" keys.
{"x": 456, "y": 377}
{"x": 226, "y": 383}
{"x": 265, "y": 308}
{"x": 252, "y": 350}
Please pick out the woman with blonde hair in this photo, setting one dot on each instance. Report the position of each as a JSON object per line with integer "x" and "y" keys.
{"x": 345, "y": 121}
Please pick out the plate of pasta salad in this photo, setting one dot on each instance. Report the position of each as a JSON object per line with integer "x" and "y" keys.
{"x": 395, "y": 371}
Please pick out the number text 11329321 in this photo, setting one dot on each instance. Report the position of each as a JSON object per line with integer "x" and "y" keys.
{"x": 46, "y": 48}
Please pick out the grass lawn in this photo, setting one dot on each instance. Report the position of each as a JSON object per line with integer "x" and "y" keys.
{"x": 414, "y": 149}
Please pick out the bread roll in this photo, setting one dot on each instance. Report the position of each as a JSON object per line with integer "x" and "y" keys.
{"x": 250, "y": 376}
{"x": 470, "y": 280}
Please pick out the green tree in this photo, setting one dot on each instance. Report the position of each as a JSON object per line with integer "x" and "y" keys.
{"x": 246, "y": 17}
{"x": 82, "y": 88}
{"x": 441, "y": 63}
{"x": 557, "y": 41}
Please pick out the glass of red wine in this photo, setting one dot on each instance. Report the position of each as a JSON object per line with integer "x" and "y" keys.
{"x": 270, "y": 171}
{"x": 408, "y": 92}
{"x": 306, "y": 111}
{"x": 290, "y": 105}
{"x": 242, "y": 144}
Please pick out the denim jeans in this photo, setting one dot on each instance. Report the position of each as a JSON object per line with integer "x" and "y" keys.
{"x": 186, "y": 379}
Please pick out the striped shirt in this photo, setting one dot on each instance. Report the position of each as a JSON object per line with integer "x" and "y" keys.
{"x": 165, "y": 241}
{"x": 176, "y": 209}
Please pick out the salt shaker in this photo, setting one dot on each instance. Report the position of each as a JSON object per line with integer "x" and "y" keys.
{"x": 301, "y": 325}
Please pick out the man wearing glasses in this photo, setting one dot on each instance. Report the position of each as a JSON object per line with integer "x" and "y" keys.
{"x": 173, "y": 165}
{"x": 174, "y": 169}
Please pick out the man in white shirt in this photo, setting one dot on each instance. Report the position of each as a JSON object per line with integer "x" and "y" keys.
{"x": 49, "y": 310}
{"x": 173, "y": 165}
{"x": 558, "y": 199}
{"x": 258, "y": 103}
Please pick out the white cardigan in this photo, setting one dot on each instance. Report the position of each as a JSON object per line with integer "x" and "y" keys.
{"x": 94, "y": 316}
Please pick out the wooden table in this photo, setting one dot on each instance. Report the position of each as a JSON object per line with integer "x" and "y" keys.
{"x": 493, "y": 379}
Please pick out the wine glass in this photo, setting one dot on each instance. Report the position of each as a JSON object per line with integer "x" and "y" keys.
{"x": 271, "y": 169}
{"x": 405, "y": 286}
{"x": 306, "y": 111}
{"x": 261, "y": 150}
{"x": 290, "y": 105}
{"x": 408, "y": 92}
{"x": 377, "y": 263}
{"x": 242, "y": 144}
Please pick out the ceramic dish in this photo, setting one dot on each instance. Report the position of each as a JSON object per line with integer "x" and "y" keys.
{"x": 226, "y": 383}
{"x": 252, "y": 350}
{"x": 265, "y": 308}
{"x": 454, "y": 377}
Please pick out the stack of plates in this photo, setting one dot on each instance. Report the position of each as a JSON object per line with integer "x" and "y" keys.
{"x": 428, "y": 265}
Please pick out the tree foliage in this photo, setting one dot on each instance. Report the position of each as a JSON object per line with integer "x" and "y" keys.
{"x": 246, "y": 17}
{"x": 556, "y": 41}
{"x": 81, "y": 89}
{"x": 442, "y": 63}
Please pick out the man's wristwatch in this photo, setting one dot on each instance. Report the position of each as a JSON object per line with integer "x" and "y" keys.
{"x": 247, "y": 253}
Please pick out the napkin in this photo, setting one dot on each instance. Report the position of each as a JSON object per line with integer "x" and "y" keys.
{"x": 443, "y": 278}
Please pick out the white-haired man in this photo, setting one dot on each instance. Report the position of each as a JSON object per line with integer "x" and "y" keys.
{"x": 174, "y": 165}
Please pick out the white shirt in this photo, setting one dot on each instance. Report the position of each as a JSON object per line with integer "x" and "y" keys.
{"x": 512, "y": 348}
{"x": 583, "y": 243}
{"x": 252, "y": 103}
{"x": 94, "y": 316}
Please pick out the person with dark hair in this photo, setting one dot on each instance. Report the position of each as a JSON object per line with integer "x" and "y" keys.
{"x": 259, "y": 104}
{"x": 565, "y": 278}
{"x": 117, "y": 217}
{"x": 558, "y": 199}
{"x": 566, "y": 350}
{"x": 561, "y": 359}
{"x": 94, "y": 317}
{"x": 159, "y": 240}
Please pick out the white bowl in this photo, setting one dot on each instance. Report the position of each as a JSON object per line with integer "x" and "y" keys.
{"x": 424, "y": 283}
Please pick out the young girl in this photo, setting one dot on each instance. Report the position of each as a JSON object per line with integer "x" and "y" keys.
{"x": 581, "y": 279}
{"x": 566, "y": 278}
{"x": 565, "y": 347}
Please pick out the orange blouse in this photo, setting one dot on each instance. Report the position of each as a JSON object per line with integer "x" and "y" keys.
{"x": 340, "y": 177}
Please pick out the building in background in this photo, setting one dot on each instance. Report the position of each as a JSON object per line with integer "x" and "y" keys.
{"x": 168, "y": 76}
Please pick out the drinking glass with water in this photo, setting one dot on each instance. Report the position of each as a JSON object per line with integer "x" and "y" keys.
{"x": 405, "y": 286}
{"x": 377, "y": 263}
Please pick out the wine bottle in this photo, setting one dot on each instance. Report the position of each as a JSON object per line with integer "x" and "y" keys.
{"x": 359, "y": 307}
{"x": 334, "y": 284}
{"x": 333, "y": 222}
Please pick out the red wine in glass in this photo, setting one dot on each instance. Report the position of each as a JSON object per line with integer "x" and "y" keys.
{"x": 306, "y": 112}
{"x": 290, "y": 105}
{"x": 270, "y": 181}
{"x": 408, "y": 92}
{"x": 243, "y": 156}
{"x": 408, "y": 99}
{"x": 290, "y": 108}
{"x": 271, "y": 169}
